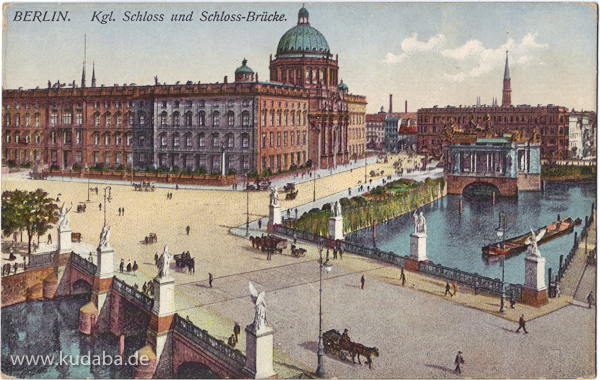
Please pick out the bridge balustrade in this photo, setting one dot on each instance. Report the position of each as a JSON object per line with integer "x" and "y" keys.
{"x": 41, "y": 260}
{"x": 83, "y": 264}
{"x": 133, "y": 295}
{"x": 203, "y": 338}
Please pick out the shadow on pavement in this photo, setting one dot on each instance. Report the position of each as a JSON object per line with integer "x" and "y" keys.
{"x": 439, "y": 367}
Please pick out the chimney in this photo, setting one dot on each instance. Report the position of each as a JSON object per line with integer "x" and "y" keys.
{"x": 225, "y": 79}
{"x": 405, "y": 106}
{"x": 390, "y": 103}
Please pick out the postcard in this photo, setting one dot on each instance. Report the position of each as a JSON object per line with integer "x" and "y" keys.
{"x": 299, "y": 190}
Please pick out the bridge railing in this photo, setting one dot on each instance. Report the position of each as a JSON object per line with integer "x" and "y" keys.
{"x": 41, "y": 260}
{"x": 204, "y": 339}
{"x": 578, "y": 240}
{"x": 133, "y": 294}
{"x": 83, "y": 264}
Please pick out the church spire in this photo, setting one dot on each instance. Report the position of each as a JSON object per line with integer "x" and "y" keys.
{"x": 84, "y": 56}
{"x": 506, "y": 91}
{"x": 94, "y": 74}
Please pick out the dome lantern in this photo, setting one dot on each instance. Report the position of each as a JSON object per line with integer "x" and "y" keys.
{"x": 244, "y": 73}
{"x": 303, "y": 16}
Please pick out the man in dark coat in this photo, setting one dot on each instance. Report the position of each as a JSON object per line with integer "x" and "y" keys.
{"x": 522, "y": 323}
{"x": 448, "y": 289}
{"x": 458, "y": 361}
{"x": 236, "y": 331}
{"x": 362, "y": 282}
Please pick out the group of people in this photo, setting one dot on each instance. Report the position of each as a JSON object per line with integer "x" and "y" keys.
{"x": 454, "y": 288}
{"x": 129, "y": 267}
{"x": 169, "y": 195}
{"x": 121, "y": 211}
{"x": 233, "y": 339}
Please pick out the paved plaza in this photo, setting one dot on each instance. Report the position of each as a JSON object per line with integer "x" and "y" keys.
{"x": 416, "y": 329}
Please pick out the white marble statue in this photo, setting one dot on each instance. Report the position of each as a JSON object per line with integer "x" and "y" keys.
{"x": 163, "y": 263}
{"x": 420, "y": 223}
{"x": 260, "y": 309}
{"x": 104, "y": 237}
{"x": 338, "y": 209}
{"x": 532, "y": 249}
{"x": 63, "y": 219}
{"x": 274, "y": 196}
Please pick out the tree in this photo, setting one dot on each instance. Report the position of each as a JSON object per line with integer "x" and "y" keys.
{"x": 32, "y": 211}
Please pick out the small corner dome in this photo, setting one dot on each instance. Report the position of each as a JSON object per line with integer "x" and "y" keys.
{"x": 342, "y": 86}
{"x": 243, "y": 69}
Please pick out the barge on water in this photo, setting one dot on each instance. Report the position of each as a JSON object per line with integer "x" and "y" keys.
{"x": 519, "y": 244}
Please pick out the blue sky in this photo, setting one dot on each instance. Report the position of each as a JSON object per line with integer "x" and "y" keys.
{"x": 425, "y": 53}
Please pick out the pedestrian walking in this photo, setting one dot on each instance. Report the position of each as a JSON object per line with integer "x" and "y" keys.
{"x": 100, "y": 206}
{"x": 454, "y": 287}
{"x": 522, "y": 324}
{"x": 135, "y": 267}
{"x": 210, "y": 280}
{"x": 122, "y": 211}
{"x": 295, "y": 238}
{"x": 458, "y": 361}
{"x": 448, "y": 289}
{"x": 327, "y": 255}
{"x": 590, "y": 299}
{"x": 187, "y": 230}
{"x": 259, "y": 224}
{"x": 49, "y": 239}
{"x": 402, "y": 276}
{"x": 335, "y": 253}
{"x": 121, "y": 266}
{"x": 512, "y": 300}
{"x": 340, "y": 253}
{"x": 362, "y": 282}
{"x": 129, "y": 266}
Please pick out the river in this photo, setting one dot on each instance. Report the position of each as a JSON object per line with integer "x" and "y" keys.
{"x": 455, "y": 240}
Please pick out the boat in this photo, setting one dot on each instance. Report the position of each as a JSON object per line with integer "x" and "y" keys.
{"x": 519, "y": 244}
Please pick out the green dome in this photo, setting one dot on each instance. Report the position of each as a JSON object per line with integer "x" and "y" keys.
{"x": 303, "y": 38}
{"x": 244, "y": 69}
{"x": 342, "y": 86}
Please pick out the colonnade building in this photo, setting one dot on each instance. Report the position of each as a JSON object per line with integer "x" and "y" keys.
{"x": 302, "y": 116}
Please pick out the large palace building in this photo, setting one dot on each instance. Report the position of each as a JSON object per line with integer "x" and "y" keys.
{"x": 302, "y": 115}
{"x": 552, "y": 122}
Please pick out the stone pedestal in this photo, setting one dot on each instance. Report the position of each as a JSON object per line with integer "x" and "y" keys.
{"x": 418, "y": 247}
{"x": 274, "y": 217}
{"x": 534, "y": 291}
{"x": 164, "y": 296}
{"x": 336, "y": 228}
{"x": 64, "y": 241}
{"x": 259, "y": 354}
{"x": 158, "y": 335}
{"x": 104, "y": 275}
{"x": 88, "y": 315}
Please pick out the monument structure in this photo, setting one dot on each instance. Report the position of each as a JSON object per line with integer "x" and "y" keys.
{"x": 64, "y": 230}
{"x": 336, "y": 222}
{"x": 418, "y": 243}
{"x": 274, "y": 210}
{"x": 259, "y": 340}
{"x": 534, "y": 292}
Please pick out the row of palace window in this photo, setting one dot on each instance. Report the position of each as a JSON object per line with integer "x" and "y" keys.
{"x": 188, "y": 120}
{"x": 495, "y": 119}
{"x": 202, "y": 103}
{"x": 17, "y": 120}
{"x": 208, "y": 162}
{"x": 311, "y": 76}
{"x": 27, "y": 138}
{"x": 284, "y": 160}
{"x": 284, "y": 118}
{"x": 215, "y": 142}
{"x": 18, "y": 106}
{"x": 291, "y": 138}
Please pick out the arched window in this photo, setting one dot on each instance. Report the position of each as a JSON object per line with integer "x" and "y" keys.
{"x": 107, "y": 139}
{"x": 285, "y": 119}
{"x": 7, "y": 119}
{"x": 176, "y": 140}
{"x": 8, "y": 138}
{"x": 201, "y": 140}
{"x": 163, "y": 139}
{"x": 245, "y": 140}
{"x": 201, "y": 117}
{"x": 163, "y": 118}
{"x": 215, "y": 119}
{"x": 96, "y": 138}
{"x": 292, "y": 114}
{"x": 119, "y": 119}
{"x": 272, "y": 118}
{"x": 215, "y": 140}
{"x": 188, "y": 140}
{"x": 230, "y": 141}
{"x": 263, "y": 118}
{"x": 107, "y": 119}
{"x": 176, "y": 119}
{"x": 278, "y": 118}
{"x": 142, "y": 118}
{"x": 188, "y": 119}
{"x": 36, "y": 120}
{"x": 245, "y": 119}
{"x": 230, "y": 119}
{"x": 118, "y": 139}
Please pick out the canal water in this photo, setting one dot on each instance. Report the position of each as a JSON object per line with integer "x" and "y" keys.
{"x": 45, "y": 330}
{"x": 455, "y": 240}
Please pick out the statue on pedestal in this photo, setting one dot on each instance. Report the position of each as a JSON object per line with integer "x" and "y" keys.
{"x": 532, "y": 247}
{"x": 260, "y": 309}
{"x": 420, "y": 223}
{"x": 163, "y": 263}
{"x": 274, "y": 197}
{"x": 336, "y": 209}
{"x": 63, "y": 219}
{"x": 104, "y": 237}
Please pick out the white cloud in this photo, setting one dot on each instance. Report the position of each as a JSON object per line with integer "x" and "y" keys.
{"x": 392, "y": 58}
{"x": 413, "y": 45}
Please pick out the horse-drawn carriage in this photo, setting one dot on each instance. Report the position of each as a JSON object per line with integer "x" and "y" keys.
{"x": 298, "y": 251}
{"x": 341, "y": 345}
{"x": 81, "y": 207}
{"x": 183, "y": 260}
{"x": 143, "y": 186}
{"x": 289, "y": 187}
{"x": 270, "y": 242}
{"x": 262, "y": 184}
{"x": 76, "y": 237}
{"x": 151, "y": 238}
{"x": 291, "y": 195}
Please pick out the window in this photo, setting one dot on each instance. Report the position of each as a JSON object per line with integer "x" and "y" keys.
{"x": 278, "y": 138}
{"x": 118, "y": 140}
{"x": 230, "y": 103}
{"x": 188, "y": 141}
{"x": 142, "y": 119}
{"x": 201, "y": 104}
{"x": 298, "y": 138}
{"x": 118, "y": 105}
{"x": 96, "y": 120}
{"x": 215, "y": 140}
{"x": 230, "y": 119}
{"x": 176, "y": 141}
{"x": 107, "y": 104}
{"x": 163, "y": 140}
{"x": 52, "y": 137}
{"x": 8, "y": 138}
{"x": 27, "y": 120}
{"x": 303, "y": 137}
{"x": 163, "y": 119}
{"x": 272, "y": 119}
{"x": 188, "y": 119}
{"x": 18, "y": 139}
{"x": 298, "y": 118}
{"x": 245, "y": 103}
{"x": 230, "y": 141}
{"x": 278, "y": 118}
{"x": 201, "y": 119}
{"x": 53, "y": 119}
{"x": 107, "y": 158}
{"x": 78, "y": 137}
{"x": 176, "y": 119}
{"x": 107, "y": 120}
{"x": 66, "y": 118}
{"x": 130, "y": 139}
{"x": 130, "y": 119}
{"x": 36, "y": 120}
{"x": 107, "y": 139}
{"x": 188, "y": 104}
{"x": 96, "y": 139}
{"x": 271, "y": 139}
{"x": 176, "y": 105}
{"x": 96, "y": 157}
{"x": 201, "y": 140}
{"x": 118, "y": 158}
{"x": 263, "y": 118}
{"x": 263, "y": 139}
{"x": 246, "y": 162}
{"x": 292, "y": 117}
{"x": 215, "y": 119}
{"x": 285, "y": 138}
{"x": 97, "y": 105}
{"x": 245, "y": 141}
{"x": 78, "y": 118}
{"x": 164, "y": 104}
{"x": 285, "y": 119}
{"x": 119, "y": 120}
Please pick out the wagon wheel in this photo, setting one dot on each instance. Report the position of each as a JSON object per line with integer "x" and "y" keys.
{"x": 342, "y": 355}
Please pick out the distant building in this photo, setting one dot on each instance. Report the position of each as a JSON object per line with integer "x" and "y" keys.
{"x": 392, "y": 125}
{"x": 582, "y": 134}
{"x": 407, "y": 138}
{"x": 552, "y": 122}
{"x": 375, "y": 131}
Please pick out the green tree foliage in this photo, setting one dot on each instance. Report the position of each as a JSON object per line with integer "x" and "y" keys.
{"x": 31, "y": 211}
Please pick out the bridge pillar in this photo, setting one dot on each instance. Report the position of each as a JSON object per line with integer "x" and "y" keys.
{"x": 159, "y": 335}
{"x": 534, "y": 291}
{"x": 64, "y": 240}
{"x": 259, "y": 354}
{"x": 102, "y": 282}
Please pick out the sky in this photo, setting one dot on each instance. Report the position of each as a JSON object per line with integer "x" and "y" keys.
{"x": 424, "y": 53}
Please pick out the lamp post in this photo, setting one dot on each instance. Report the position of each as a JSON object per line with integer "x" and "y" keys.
{"x": 366, "y": 167}
{"x": 500, "y": 232}
{"x": 247, "y": 206}
{"x": 321, "y": 351}
{"x": 109, "y": 198}
{"x": 88, "y": 174}
{"x": 315, "y": 186}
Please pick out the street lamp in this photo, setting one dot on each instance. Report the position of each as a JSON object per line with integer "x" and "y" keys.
{"x": 500, "y": 232}
{"x": 247, "y": 206}
{"x": 315, "y": 186}
{"x": 321, "y": 351}
{"x": 109, "y": 198}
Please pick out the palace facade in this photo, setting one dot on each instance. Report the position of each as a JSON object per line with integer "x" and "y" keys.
{"x": 302, "y": 116}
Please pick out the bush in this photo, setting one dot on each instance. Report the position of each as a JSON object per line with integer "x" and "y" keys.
{"x": 201, "y": 171}
{"x": 26, "y": 164}
{"x": 232, "y": 172}
{"x": 163, "y": 169}
{"x": 326, "y": 206}
{"x": 379, "y": 190}
{"x": 175, "y": 169}
{"x": 53, "y": 167}
{"x": 267, "y": 172}
{"x": 149, "y": 169}
{"x": 253, "y": 175}
{"x": 293, "y": 167}
{"x": 186, "y": 171}
{"x": 308, "y": 164}
{"x": 345, "y": 202}
{"x": 12, "y": 163}
{"x": 77, "y": 167}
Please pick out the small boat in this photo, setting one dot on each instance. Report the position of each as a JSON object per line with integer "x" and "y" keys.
{"x": 519, "y": 244}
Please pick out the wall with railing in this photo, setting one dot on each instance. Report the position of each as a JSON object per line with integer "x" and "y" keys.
{"x": 83, "y": 265}
{"x": 132, "y": 294}
{"x": 578, "y": 240}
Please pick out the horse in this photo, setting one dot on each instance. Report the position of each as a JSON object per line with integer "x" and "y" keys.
{"x": 252, "y": 241}
{"x": 191, "y": 265}
{"x": 358, "y": 349}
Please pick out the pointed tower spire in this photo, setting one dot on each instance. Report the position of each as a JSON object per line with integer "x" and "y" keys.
{"x": 84, "y": 57}
{"x": 506, "y": 91}
{"x": 94, "y": 74}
